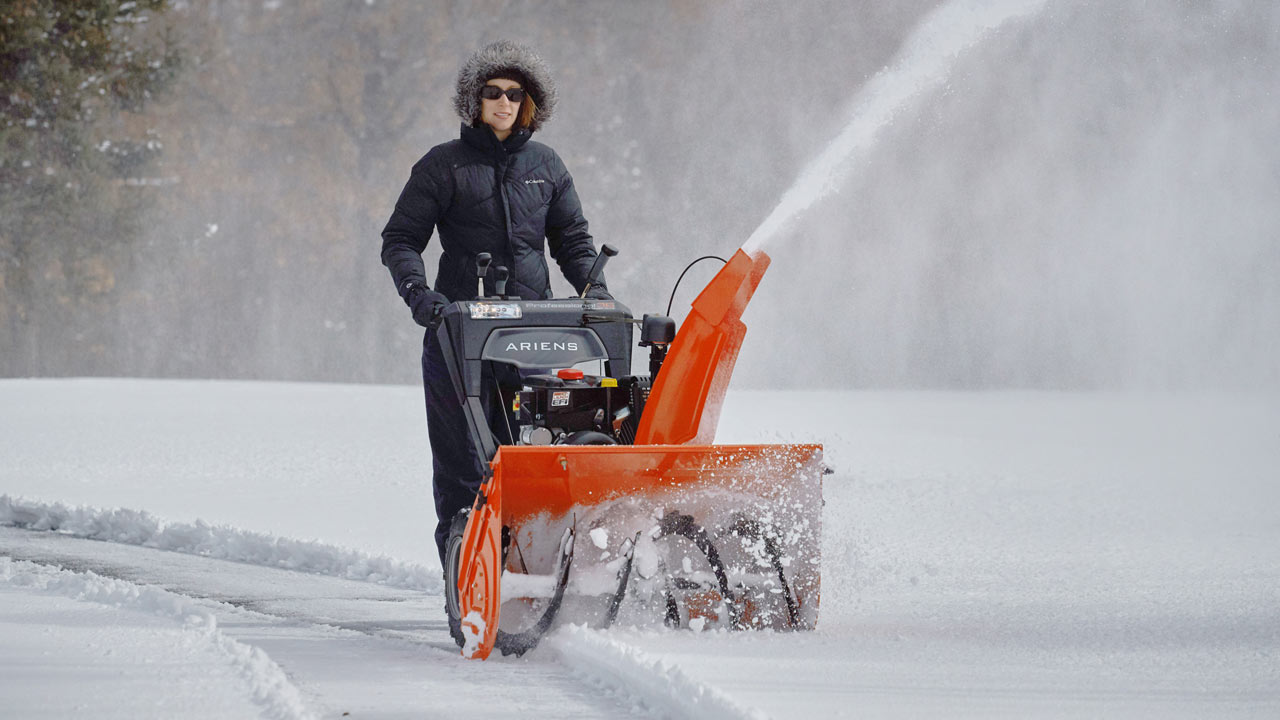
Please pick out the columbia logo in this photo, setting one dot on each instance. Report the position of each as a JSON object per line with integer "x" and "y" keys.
{"x": 533, "y": 182}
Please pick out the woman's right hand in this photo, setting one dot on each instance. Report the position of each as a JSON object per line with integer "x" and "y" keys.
{"x": 426, "y": 305}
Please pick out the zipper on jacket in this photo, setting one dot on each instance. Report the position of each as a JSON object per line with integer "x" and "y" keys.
{"x": 503, "y": 171}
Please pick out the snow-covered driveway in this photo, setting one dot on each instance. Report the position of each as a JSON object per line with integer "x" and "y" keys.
{"x": 350, "y": 646}
{"x": 1043, "y": 554}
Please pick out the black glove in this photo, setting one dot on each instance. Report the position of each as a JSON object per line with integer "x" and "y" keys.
{"x": 598, "y": 292}
{"x": 426, "y": 304}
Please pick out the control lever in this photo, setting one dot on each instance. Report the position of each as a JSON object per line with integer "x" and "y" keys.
{"x": 500, "y": 283}
{"x": 606, "y": 251}
{"x": 483, "y": 260}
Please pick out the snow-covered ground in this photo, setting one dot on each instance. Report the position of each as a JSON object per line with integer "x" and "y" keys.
{"x": 225, "y": 549}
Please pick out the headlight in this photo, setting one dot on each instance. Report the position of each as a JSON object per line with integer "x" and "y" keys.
{"x": 495, "y": 311}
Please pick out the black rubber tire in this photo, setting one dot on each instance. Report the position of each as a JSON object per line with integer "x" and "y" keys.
{"x": 452, "y": 558}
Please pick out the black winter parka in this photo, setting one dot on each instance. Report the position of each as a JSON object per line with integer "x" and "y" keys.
{"x": 486, "y": 195}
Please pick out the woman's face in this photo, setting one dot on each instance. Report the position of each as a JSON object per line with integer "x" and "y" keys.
{"x": 500, "y": 114}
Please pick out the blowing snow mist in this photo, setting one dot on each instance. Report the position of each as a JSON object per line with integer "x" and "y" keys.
{"x": 1088, "y": 200}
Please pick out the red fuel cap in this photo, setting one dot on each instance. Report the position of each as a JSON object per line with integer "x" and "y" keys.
{"x": 569, "y": 374}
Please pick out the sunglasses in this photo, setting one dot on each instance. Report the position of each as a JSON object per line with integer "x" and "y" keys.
{"x": 493, "y": 92}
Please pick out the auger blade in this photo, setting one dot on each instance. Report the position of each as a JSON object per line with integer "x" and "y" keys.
{"x": 627, "y": 491}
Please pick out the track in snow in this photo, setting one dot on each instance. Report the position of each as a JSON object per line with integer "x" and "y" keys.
{"x": 349, "y": 646}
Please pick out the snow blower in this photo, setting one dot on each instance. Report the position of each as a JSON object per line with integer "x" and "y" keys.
{"x": 602, "y": 491}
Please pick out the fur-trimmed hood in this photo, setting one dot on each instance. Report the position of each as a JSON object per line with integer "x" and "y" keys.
{"x": 492, "y": 61}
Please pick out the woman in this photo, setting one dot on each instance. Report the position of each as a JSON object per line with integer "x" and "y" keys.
{"x": 492, "y": 190}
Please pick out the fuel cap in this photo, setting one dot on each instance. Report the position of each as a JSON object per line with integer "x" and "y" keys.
{"x": 569, "y": 374}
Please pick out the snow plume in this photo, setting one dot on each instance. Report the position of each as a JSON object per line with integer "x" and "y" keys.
{"x": 923, "y": 64}
{"x": 1084, "y": 199}
{"x": 270, "y": 687}
{"x": 655, "y": 684}
{"x": 132, "y": 527}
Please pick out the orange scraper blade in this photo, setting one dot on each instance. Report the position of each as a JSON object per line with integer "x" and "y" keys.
{"x": 480, "y": 572}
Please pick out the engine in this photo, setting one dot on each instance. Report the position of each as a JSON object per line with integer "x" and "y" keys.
{"x": 573, "y": 408}
{"x": 531, "y": 352}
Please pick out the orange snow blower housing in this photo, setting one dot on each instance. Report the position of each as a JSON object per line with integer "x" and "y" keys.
{"x": 696, "y": 534}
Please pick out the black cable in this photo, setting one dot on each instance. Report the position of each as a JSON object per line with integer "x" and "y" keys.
{"x": 695, "y": 262}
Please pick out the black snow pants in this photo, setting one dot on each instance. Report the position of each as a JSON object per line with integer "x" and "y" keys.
{"x": 455, "y": 470}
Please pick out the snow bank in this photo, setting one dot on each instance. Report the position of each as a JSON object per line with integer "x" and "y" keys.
{"x": 269, "y": 686}
{"x": 656, "y": 684}
{"x": 133, "y": 527}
